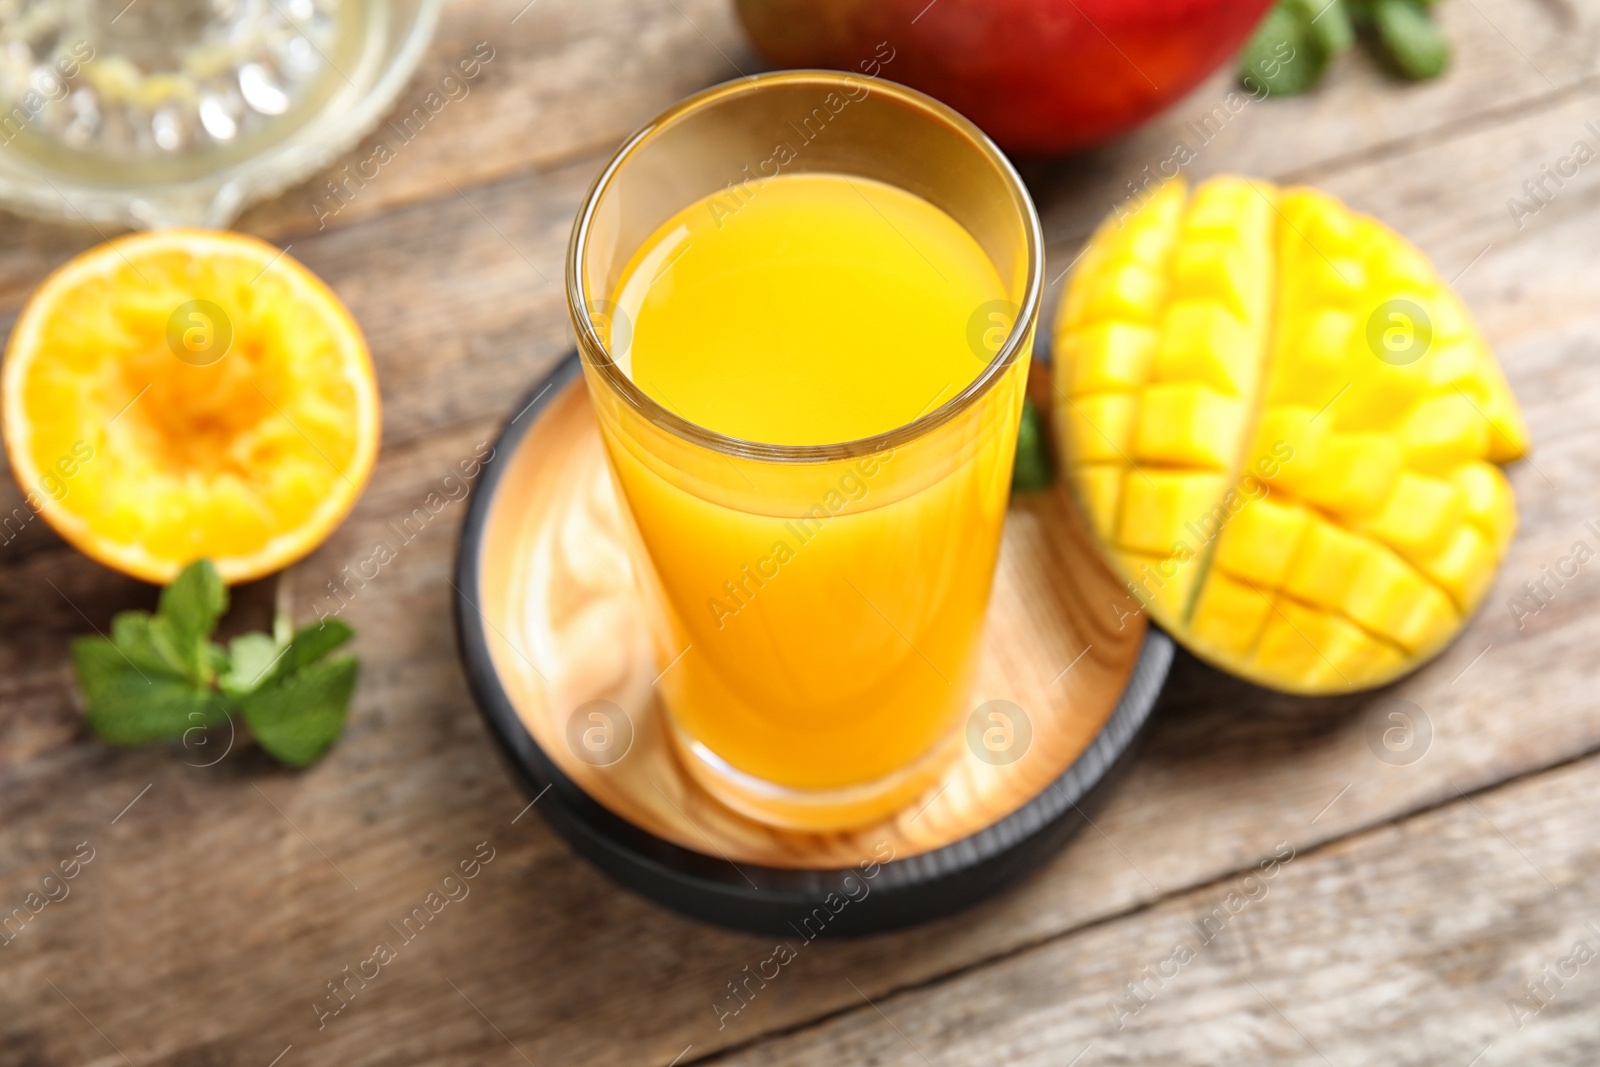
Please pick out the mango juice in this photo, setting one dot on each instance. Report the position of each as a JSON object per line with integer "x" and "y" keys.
{"x": 824, "y": 616}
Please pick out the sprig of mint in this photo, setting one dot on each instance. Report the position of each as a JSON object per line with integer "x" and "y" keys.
{"x": 1298, "y": 38}
{"x": 1032, "y": 471}
{"x": 158, "y": 676}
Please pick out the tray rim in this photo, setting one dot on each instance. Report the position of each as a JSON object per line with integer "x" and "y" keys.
{"x": 748, "y": 895}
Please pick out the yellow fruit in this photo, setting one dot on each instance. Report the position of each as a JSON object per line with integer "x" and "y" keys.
{"x": 1285, "y": 426}
{"x": 182, "y": 394}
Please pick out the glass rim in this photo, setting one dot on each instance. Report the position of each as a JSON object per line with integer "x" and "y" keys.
{"x": 596, "y": 355}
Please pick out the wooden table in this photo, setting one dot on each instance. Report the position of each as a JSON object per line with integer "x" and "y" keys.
{"x": 1421, "y": 898}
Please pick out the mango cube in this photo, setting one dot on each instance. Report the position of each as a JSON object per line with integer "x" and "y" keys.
{"x": 1389, "y": 597}
{"x": 1328, "y": 650}
{"x": 1162, "y": 583}
{"x": 1487, "y": 498}
{"x": 1189, "y": 423}
{"x": 1463, "y": 566}
{"x": 1109, "y": 356}
{"x": 1203, "y": 341}
{"x": 1219, "y": 272}
{"x": 1352, "y": 474}
{"x": 1261, "y": 541}
{"x": 1126, "y": 291}
{"x": 1326, "y": 564}
{"x": 1099, "y": 429}
{"x": 1419, "y": 514}
{"x": 1157, "y": 505}
{"x": 1099, "y": 486}
{"x": 1324, "y": 364}
{"x": 1443, "y": 432}
{"x": 1230, "y": 614}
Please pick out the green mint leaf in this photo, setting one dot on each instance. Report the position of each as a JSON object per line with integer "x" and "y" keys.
{"x": 127, "y": 706}
{"x": 194, "y": 601}
{"x": 175, "y": 639}
{"x": 1283, "y": 57}
{"x": 298, "y": 717}
{"x": 252, "y": 661}
{"x": 257, "y": 660}
{"x": 1033, "y": 470}
{"x": 149, "y": 648}
{"x": 192, "y": 656}
{"x": 1410, "y": 38}
{"x": 312, "y": 642}
{"x": 97, "y": 663}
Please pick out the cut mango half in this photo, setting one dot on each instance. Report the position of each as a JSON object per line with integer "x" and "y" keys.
{"x": 1286, "y": 429}
{"x": 182, "y": 394}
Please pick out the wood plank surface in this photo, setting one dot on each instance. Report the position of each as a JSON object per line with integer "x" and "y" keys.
{"x": 1466, "y": 935}
{"x": 218, "y": 906}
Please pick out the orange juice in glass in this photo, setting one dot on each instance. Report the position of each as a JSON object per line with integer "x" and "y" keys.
{"x": 805, "y": 303}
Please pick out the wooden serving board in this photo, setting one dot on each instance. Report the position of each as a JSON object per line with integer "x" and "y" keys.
{"x": 567, "y": 623}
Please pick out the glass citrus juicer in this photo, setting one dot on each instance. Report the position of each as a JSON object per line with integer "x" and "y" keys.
{"x": 180, "y": 112}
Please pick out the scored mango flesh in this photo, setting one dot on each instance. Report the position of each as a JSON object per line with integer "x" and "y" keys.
{"x": 1285, "y": 426}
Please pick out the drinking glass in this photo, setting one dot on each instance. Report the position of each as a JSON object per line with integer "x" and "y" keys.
{"x": 853, "y": 578}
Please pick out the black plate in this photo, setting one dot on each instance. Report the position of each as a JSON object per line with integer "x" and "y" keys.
{"x": 777, "y": 900}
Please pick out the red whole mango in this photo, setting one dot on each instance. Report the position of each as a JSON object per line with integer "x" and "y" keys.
{"x": 1040, "y": 76}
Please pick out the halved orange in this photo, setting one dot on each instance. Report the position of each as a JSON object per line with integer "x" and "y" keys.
{"x": 184, "y": 393}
